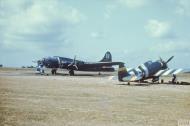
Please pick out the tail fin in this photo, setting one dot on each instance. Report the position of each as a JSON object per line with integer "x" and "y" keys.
{"x": 107, "y": 57}
{"x": 122, "y": 72}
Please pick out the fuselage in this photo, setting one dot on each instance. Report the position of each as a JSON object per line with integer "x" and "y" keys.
{"x": 142, "y": 72}
{"x": 63, "y": 63}
{"x": 150, "y": 68}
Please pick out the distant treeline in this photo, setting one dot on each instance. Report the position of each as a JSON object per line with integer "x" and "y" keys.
{"x": 27, "y": 66}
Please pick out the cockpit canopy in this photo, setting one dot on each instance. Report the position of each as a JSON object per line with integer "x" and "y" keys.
{"x": 148, "y": 62}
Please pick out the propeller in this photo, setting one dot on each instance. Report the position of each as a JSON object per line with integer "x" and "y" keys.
{"x": 35, "y": 61}
{"x": 39, "y": 65}
{"x": 169, "y": 59}
{"x": 73, "y": 64}
{"x": 161, "y": 59}
{"x": 38, "y": 62}
{"x": 164, "y": 63}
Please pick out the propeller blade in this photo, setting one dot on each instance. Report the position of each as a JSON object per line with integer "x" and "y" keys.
{"x": 169, "y": 59}
{"x": 38, "y": 62}
{"x": 73, "y": 64}
{"x": 161, "y": 59}
{"x": 74, "y": 60}
{"x": 34, "y": 61}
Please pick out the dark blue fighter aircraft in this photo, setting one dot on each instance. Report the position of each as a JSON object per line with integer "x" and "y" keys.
{"x": 148, "y": 70}
{"x": 76, "y": 65}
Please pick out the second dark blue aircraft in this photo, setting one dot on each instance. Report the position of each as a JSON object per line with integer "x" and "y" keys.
{"x": 72, "y": 64}
{"x": 148, "y": 70}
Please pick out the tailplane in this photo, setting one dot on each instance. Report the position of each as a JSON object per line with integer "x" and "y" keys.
{"x": 122, "y": 72}
{"x": 107, "y": 57}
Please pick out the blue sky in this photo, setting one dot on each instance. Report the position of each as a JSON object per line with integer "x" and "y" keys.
{"x": 132, "y": 30}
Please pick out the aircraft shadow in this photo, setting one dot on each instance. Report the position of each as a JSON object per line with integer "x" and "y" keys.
{"x": 93, "y": 75}
{"x": 134, "y": 84}
{"x": 90, "y": 75}
{"x": 149, "y": 84}
{"x": 182, "y": 83}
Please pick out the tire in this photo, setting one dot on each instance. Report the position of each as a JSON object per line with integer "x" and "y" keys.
{"x": 71, "y": 72}
{"x": 53, "y": 71}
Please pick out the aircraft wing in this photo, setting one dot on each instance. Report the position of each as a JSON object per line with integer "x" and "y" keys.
{"x": 170, "y": 72}
{"x": 99, "y": 64}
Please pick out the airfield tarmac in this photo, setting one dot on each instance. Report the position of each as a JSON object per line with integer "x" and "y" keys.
{"x": 88, "y": 100}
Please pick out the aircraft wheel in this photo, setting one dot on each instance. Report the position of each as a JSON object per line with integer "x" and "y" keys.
{"x": 42, "y": 72}
{"x": 53, "y": 71}
{"x": 71, "y": 72}
{"x": 162, "y": 81}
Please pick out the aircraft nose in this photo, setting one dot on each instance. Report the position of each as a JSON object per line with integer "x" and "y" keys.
{"x": 49, "y": 62}
{"x": 40, "y": 62}
{"x": 44, "y": 61}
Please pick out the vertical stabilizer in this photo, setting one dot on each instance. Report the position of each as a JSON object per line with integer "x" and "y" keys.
{"x": 107, "y": 57}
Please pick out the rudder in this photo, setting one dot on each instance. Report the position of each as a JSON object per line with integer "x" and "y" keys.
{"x": 107, "y": 57}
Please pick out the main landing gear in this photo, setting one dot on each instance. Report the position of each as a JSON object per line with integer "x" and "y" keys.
{"x": 54, "y": 71}
{"x": 155, "y": 79}
{"x": 71, "y": 72}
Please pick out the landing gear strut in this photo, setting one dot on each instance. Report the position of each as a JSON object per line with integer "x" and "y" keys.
{"x": 71, "y": 72}
{"x": 155, "y": 79}
{"x": 54, "y": 71}
{"x": 174, "y": 79}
